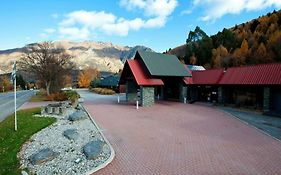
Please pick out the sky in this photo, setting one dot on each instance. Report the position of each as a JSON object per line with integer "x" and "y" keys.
{"x": 158, "y": 24}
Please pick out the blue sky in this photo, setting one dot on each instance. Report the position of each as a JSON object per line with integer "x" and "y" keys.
{"x": 158, "y": 24}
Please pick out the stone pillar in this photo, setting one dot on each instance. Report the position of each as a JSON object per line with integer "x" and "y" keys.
{"x": 266, "y": 99}
{"x": 131, "y": 91}
{"x": 183, "y": 93}
{"x": 147, "y": 96}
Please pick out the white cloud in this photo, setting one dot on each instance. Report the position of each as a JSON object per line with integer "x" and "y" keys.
{"x": 215, "y": 9}
{"x": 50, "y": 30}
{"x": 74, "y": 33}
{"x": 151, "y": 8}
{"x": 81, "y": 24}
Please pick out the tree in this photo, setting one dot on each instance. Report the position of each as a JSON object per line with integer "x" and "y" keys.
{"x": 21, "y": 82}
{"x": 192, "y": 60}
{"x": 219, "y": 55}
{"x": 48, "y": 63}
{"x": 5, "y": 83}
{"x": 85, "y": 77}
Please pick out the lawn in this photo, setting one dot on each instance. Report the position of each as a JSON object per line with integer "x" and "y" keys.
{"x": 39, "y": 96}
{"x": 11, "y": 141}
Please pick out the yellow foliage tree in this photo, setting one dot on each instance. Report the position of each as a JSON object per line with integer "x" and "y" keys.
{"x": 5, "y": 83}
{"x": 218, "y": 55}
{"x": 85, "y": 77}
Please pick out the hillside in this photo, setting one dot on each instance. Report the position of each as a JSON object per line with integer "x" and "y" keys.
{"x": 101, "y": 55}
{"x": 255, "y": 42}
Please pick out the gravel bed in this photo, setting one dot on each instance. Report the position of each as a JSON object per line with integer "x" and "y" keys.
{"x": 71, "y": 159}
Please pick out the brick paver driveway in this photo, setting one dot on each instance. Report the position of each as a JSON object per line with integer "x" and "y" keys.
{"x": 174, "y": 138}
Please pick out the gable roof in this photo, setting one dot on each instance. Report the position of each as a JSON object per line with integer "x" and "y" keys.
{"x": 162, "y": 64}
{"x": 140, "y": 75}
{"x": 263, "y": 74}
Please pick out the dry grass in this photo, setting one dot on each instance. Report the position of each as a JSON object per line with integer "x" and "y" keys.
{"x": 103, "y": 91}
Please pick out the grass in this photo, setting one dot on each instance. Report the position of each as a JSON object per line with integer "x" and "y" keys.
{"x": 38, "y": 97}
{"x": 11, "y": 141}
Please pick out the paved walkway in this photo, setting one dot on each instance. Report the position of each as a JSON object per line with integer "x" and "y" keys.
{"x": 173, "y": 138}
{"x": 270, "y": 125}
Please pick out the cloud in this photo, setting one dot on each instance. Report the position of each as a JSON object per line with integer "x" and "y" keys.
{"x": 151, "y": 8}
{"x": 49, "y": 30}
{"x": 215, "y": 9}
{"x": 155, "y": 14}
{"x": 74, "y": 33}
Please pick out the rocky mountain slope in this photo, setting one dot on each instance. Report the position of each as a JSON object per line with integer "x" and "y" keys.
{"x": 101, "y": 55}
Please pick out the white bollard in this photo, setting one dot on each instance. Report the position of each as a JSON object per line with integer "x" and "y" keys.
{"x": 137, "y": 104}
{"x": 184, "y": 100}
{"x": 118, "y": 99}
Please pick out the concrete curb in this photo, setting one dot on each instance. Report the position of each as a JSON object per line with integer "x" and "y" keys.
{"x": 112, "y": 155}
{"x": 248, "y": 124}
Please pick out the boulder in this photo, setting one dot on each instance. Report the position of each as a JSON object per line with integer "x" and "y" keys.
{"x": 71, "y": 134}
{"x": 78, "y": 115}
{"x": 93, "y": 149}
{"x": 42, "y": 156}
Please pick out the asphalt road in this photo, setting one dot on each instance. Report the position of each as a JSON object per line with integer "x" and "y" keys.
{"x": 7, "y": 102}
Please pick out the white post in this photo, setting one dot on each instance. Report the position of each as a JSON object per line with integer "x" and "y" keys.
{"x": 15, "y": 91}
{"x": 118, "y": 99}
{"x": 137, "y": 104}
{"x": 184, "y": 100}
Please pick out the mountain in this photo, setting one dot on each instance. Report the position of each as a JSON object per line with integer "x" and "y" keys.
{"x": 254, "y": 42}
{"x": 101, "y": 55}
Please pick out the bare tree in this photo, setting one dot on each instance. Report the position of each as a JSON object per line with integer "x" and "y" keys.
{"x": 48, "y": 63}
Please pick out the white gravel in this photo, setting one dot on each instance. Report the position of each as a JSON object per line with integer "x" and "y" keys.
{"x": 70, "y": 152}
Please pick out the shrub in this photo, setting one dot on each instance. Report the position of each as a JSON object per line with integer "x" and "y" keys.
{"x": 103, "y": 91}
{"x": 60, "y": 96}
{"x": 72, "y": 95}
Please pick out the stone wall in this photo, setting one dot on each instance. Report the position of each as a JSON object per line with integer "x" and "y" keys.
{"x": 147, "y": 96}
{"x": 131, "y": 91}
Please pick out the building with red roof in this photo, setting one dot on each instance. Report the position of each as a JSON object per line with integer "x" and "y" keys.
{"x": 151, "y": 75}
{"x": 257, "y": 86}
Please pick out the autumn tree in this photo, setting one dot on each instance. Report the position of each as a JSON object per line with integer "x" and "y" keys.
{"x": 219, "y": 55}
{"x": 48, "y": 63}
{"x": 85, "y": 77}
{"x": 5, "y": 83}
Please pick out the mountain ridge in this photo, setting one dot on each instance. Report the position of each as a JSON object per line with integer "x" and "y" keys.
{"x": 105, "y": 56}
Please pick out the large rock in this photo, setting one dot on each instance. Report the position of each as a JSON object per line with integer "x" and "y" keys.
{"x": 78, "y": 115}
{"x": 93, "y": 149}
{"x": 71, "y": 134}
{"x": 43, "y": 155}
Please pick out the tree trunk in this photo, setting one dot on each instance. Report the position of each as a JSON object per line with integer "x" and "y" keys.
{"x": 48, "y": 84}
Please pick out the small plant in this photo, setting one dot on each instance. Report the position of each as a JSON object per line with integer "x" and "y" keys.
{"x": 72, "y": 95}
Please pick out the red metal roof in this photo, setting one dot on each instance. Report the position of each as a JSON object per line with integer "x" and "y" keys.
{"x": 207, "y": 77}
{"x": 141, "y": 76}
{"x": 187, "y": 80}
{"x": 259, "y": 75}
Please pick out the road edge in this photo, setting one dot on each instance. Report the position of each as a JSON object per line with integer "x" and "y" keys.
{"x": 112, "y": 152}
